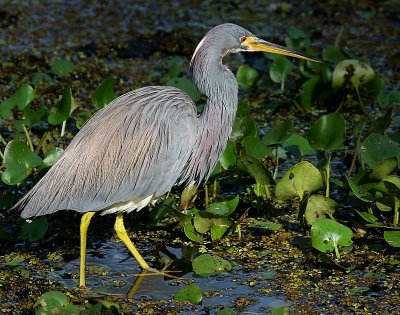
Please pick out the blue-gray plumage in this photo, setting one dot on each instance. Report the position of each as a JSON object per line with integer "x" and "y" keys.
{"x": 144, "y": 142}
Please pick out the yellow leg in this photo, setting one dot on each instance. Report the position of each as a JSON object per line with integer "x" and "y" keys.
{"x": 123, "y": 236}
{"x": 85, "y": 221}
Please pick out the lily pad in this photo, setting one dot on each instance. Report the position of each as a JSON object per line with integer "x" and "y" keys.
{"x": 280, "y": 69}
{"x": 207, "y": 265}
{"x": 279, "y": 133}
{"x": 224, "y": 208}
{"x": 319, "y": 206}
{"x": 377, "y": 148}
{"x": 264, "y": 225}
{"x": 21, "y": 98}
{"x": 19, "y": 161}
{"x": 327, "y": 235}
{"x": 298, "y": 146}
{"x": 392, "y": 238}
{"x": 354, "y": 70}
{"x": 307, "y": 91}
{"x": 246, "y": 76}
{"x": 104, "y": 94}
{"x": 299, "y": 181}
{"x": 327, "y": 133}
{"x": 51, "y": 302}
{"x": 61, "y": 111}
{"x": 190, "y": 293}
{"x": 255, "y": 147}
{"x": 62, "y": 68}
{"x": 228, "y": 157}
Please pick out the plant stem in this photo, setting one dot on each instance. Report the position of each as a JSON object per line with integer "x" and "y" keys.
{"x": 215, "y": 189}
{"x": 357, "y": 149}
{"x": 64, "y": 124}
{"x": 361, "y": 102}
{"x": 28, "y": 138}
{"x": 396, "y": 212}
{"x": 328, "y": 174}
{"x": 337, "y": 251}
{"x": 39, "y": 146}
{"x": 2, "y": 140}
{"x": 2, "y": 155}
{"x": 276, "y": 163}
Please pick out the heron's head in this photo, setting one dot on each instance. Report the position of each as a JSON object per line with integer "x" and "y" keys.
{"x": 232, "y": 38}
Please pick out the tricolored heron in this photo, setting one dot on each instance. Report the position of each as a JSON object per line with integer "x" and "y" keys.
{"x": 147, "y": 140}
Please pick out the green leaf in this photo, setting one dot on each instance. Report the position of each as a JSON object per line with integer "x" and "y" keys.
{"x": 227, "y": 311}
{"x": 383, "y": 169}
{"x": 327, "y": 235}
{"x": 52, "y": 156}
{"x": 104, "y": 94}
{"x": 327, "y": 133}
{"x": 202, "y": 224}
{"x": 333, "y": 54}
{"x": 224, "y": 208}
{"x": 307, "y": 91}
{"x": 207, "y": 265}
{"x": 62, "y": 109}
{"x": 61, "y": 68}
{"x": 280, "y": 69}
{"x": 21, "y": 98}
{"x": 319, "y": 206}
{"x": 19, "y": 161}
{"x": 246, "y": 76}
{"x": 358, "y": 193}
{"x": 51, "y": 300}
{"x": 298, "y": 146}
{"x": 370, "y": 218}
{"x": 255, "y": 168}
{"x": 38, "y": 77}
{"x": 264, "y": 225}
{"x": 190, "y": 232}
{"x": 377, "y": 148}
{"x": 69, "y": 309}
{"x": 220, "y": 226}
{"x": 244, "y": 126}
{"x": 35, "y": 230}
{"x": 190, "y": 293}
{"x": 255, "y": 147}
{"x": 299, "y": 181}
{"x": 228, "y": 157}
{"x": 392, "y": 238}
{"x": 33, "y": 116}
{"x": 186, "y": 86}
{"x": 279, "y": 133}
{"x": 352, "y": 70}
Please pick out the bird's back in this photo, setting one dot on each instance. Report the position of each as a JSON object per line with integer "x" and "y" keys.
{"x": 134, "y": 148}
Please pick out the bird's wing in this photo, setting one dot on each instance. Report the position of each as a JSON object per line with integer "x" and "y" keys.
{"x": 136, "y": 147}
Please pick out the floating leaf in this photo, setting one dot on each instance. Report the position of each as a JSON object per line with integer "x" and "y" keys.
{"x": 207, "y": 265}
{"x": 244, "y": 126}
{"x": 307, "y": 91}
{"x": 327, "y": 235}
{"x": 279, "y": 133}
{"x": 392, "y": 238}
{"x": 368, "y": 217}
{"x": 354, "y": 70}
{"x": 298, "y": 146}
{"x": 383, "y": 169}
{"x": 228, "y": 158}
{"x": 33, "y": 116}
{"x": 255, "y": 168}
{"x": 319, "y": 206}
{"x": 227, "y": 311}
{"x": 35, "y": 230}
{"x": 70, "y": 309}
{"x": 21, "y": 98}
{"x": 19, "y": 161}
{"x": 187, "y": 86}
{"x": 280, "y": 69}
{"x": 264, "y": 225}
{"x": 190, "y": 232}
{"x": 364, "y": 196}
{"x": 62, "y": 109}
{"x": 327, "y": 133}
{"x": 246, "y": 76}
{"x": 61, "y": 68}
{"x": 51, "y": 302}
{"x": 190, "y": 293}
{"x": 377, "y": 148}
{"x": 223, "y": 208}
{"x": 220, "y": 226}
{"x": 255, "y": 147}
{"x": 104, "y": 94}
{"x": 52, "y": 156}
{"x": 299, "y": 181}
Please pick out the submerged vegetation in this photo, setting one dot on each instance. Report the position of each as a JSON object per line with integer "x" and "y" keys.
{"x": 336, "y": 172}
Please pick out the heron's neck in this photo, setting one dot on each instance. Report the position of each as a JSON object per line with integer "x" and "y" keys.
{"x": 215, "y": 123}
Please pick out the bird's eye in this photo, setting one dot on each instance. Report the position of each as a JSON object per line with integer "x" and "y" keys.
{"x": 242, "y": 39}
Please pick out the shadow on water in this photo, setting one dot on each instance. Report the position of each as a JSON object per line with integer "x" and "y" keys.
{"x": 113, "y": 272}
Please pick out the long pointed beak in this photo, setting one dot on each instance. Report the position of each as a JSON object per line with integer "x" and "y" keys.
{"x": 256, "y": 44}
